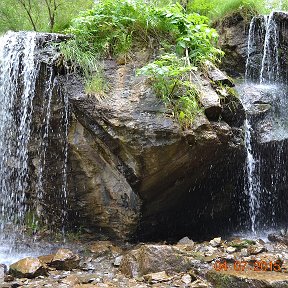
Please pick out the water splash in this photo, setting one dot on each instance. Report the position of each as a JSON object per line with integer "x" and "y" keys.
{"x": 269, "y": 72}
{"x": 274, "y": 4}
{"x": 20, "y": 81}
{"x": 17, "y": 85}
{"x": 253, "y": 187}
{"x": 65, "y": 164}
{"x": 266, "y": 88}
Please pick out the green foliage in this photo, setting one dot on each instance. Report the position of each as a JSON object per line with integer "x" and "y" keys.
{"x": 242, "y": 244}
{"x": 96, "y": 84}
{"x": 194, "y": 35}
{"x": 112, "y": 27}
{"x": 217, "y": 9}
{"x": 39, "y": 15}
{"x": 115, "y": 27}
{"x": 78, "y": 58}
{"x": 85, "y": 63}
{"x": 170, "y": 77}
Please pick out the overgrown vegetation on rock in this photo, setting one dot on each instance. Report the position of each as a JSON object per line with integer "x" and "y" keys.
{"x": 117, "y": 28}
{"x": 177, "y": 32}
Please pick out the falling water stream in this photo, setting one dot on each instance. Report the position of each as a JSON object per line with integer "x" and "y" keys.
{"x": 264, "y": 97}
{"x": 19, "y": 72}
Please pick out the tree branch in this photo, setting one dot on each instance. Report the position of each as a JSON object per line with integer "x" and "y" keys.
{"x": 28, "y": 7}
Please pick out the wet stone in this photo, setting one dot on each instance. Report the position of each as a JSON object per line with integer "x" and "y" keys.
{"x": 216, "y": 242}
{"x": 65, "y": 259}
{"x": 70, "y": 280}
{"x": 185, "y": 241}
{"x": 157, "y": 277}
{"x": 186, "y": 279}
{"x": 28, "y": 268}
{"x": 117, "y": 261}
{"x": 231, "y": 250}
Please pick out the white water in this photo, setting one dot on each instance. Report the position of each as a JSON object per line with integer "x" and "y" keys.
{"x": 19, "y": 69}
{"x": 18, "y": 77}
{"x": 253, "y": 187}
{"x": 270, "y": 87}
{"x": 270, "y": 62}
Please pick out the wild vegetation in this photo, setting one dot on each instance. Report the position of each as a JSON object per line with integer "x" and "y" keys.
{"x": 114, "y": 28}
{"x": 179, "y": 30}
{"x": 39, "y": 15}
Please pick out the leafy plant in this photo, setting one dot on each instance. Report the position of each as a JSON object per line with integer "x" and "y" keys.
{"x": 217, "y": 9}
{"x": 194, "y": 38}
{"x": 169, "y": 76}
{"x": 78, "y": 58}
{"x": 96, "y": 85}
{"x": 111, "y": 27}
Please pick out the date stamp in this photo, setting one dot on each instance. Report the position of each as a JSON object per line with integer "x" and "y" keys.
{"x": 239, "y": 265}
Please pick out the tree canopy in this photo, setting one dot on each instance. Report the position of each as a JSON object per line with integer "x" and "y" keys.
{"x": 39, "y": 15}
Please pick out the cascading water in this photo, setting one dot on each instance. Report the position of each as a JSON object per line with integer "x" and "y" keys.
{"x": 264, "y": 99}
{"x": 18, "y": 77}
{"x": 20, "y": 67}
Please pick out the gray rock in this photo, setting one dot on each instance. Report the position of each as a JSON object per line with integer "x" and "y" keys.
{"x": 129, "y": 162}
{"x": 231, "y": 250}
{"x": 153, "y": 259}
{"x": 157, "y": 277}
{"x": 216, "y": 242}
{"x": 233, "y": 40}
{"x": 217, "y": 76}
{"x": 186, "y": 279}
{"x": 186, "y": 241}
{"x": 124, "y": 147}
{"x": 117, "y": 261}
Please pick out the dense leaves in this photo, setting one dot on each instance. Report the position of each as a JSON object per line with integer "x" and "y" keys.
{"x": 170, "y": 77}
{"x": 217, "y": 9}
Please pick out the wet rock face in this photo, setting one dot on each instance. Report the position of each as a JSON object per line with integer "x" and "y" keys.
{"x": 233, "y": 32}
{"x": 125, "y": 150}
{"x": 131, "y": 169}
{"x": 273, "y": 29}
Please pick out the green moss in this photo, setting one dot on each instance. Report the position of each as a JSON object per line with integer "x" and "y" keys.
{"x": 242, "y": 244}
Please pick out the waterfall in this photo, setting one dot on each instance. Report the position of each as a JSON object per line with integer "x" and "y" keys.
{"x": 24, "y": 142}
{"x": 17, "y": 85}
{"x": 269, "y": 72}
{"x": 264, "y": 99}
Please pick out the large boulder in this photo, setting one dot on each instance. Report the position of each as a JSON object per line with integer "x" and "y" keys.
{"x": 126, "y": 150}
{"x": 63, "y": 259}
{"x": 128, "y": 167}
{"x": 155, "y": 258}
{"x": 247, "y": 279}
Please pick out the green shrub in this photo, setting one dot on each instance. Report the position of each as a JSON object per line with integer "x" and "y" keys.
{"x": 217, "y": 9}
{"x": 116, "y": 27}
{"x": 170, "y": 78}
{"x": 194, "y": 36}
{"x": 111, "y": 27}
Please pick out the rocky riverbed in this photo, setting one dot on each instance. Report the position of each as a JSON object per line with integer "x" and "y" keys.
{"x": 235, "y": 262}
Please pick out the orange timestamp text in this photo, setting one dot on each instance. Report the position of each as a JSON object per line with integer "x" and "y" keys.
{"x": 240, "y": 265}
